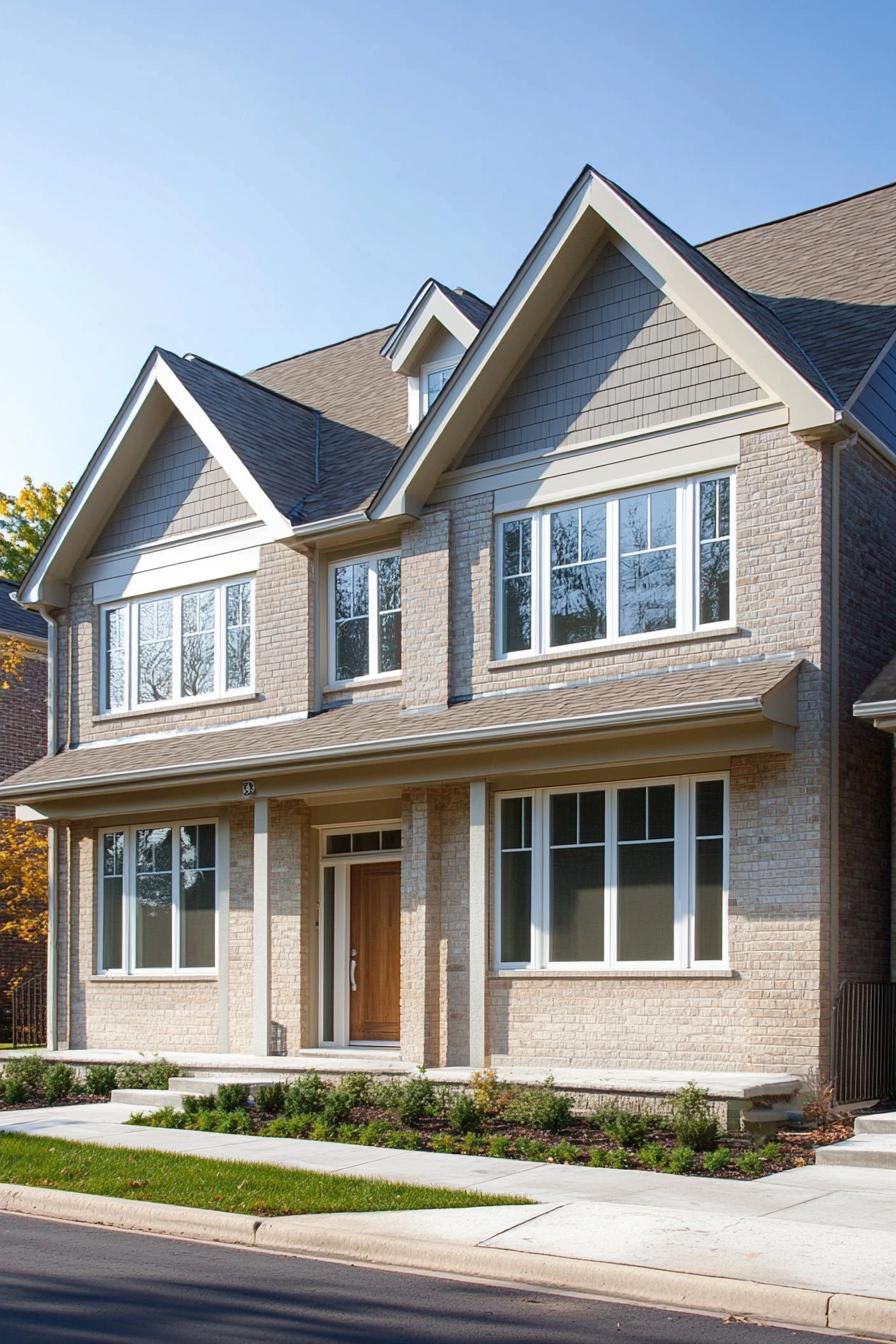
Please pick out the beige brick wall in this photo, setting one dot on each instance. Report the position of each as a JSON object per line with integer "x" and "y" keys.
{"x": 619, "y": 357}
{"x": 283, "y": 659}
{"x": 424, "y": 600}
{"x": 179, "y": 488}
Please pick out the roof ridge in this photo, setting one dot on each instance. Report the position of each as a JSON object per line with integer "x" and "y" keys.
{"x": 260, "y": 387}
{"x": 797, "y": 214}
{"x": 330, "y": 345}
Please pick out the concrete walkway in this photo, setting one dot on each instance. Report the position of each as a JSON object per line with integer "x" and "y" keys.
{"x": 828, "y": 1229}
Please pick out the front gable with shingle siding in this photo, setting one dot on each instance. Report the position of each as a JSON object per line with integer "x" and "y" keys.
{"x": 180, "y": 488}
{"x": 620, "y": 356}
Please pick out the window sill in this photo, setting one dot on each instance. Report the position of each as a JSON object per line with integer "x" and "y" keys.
{"x": 616, "y": 646}
{"x": 361, "y": 683}
{"x": 156, "y": 977}
{"x": 175, "y": 706}
{"x": 621, "y": 973}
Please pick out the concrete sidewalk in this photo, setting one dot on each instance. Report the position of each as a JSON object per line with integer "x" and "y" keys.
{"x": 824, "y": 1232}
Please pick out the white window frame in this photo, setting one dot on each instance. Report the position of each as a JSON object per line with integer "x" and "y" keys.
{"x": 129, "y": 970}
{"x": 435, "y": 366}
{"x": 130, "y": 609}
{"x": 687, "y": 568}
{"x": 373, "y": 613}
{"x": 684, "y": 882}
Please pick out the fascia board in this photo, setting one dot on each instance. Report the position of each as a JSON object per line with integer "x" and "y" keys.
{"x": 393, "y": 497}
{"x": 434, "y": 308}
{"x": 709, "y": 310}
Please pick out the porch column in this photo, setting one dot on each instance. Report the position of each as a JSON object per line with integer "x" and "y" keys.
{"x": 52, "y": 937}
{"x": 478, "y": 920}
{"x": 224, "y": 935}
{"x": 261, "y": 928}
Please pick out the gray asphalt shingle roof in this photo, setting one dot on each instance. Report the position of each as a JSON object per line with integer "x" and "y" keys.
{"x": 16, "y": 620}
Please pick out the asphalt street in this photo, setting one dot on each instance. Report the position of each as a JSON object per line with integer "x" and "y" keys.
{"x": 60, "y": 1281}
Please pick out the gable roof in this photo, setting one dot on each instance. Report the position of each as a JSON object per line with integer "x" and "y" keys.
{"x": 16, "y": 620}
{"x": 828, "y": 274}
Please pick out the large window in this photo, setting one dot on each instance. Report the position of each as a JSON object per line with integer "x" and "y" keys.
{"x": 611, "y": 569}
{"x": 157, "y": 898}
{"x": 180, "y": 647}
{"x": 365, "y": 624}
{"x": 616, "y": 875}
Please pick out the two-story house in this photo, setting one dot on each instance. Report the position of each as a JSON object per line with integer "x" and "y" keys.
{"x": 480, "y": 687}
{"x": 23, "y": 739}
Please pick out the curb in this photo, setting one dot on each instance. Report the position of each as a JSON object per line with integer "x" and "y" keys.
{"x": 302, "y": 1235}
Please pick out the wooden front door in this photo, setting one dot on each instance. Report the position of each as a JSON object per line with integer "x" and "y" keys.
{"x": 375, "y": 951}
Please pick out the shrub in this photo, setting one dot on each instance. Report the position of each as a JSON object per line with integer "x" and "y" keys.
{"x": 531, "y": 1150}
{"x": 597, "y": 1157}
{"x": 472, "y": 1145}
{"x": 164, "y": 1118}
{"x": 322, "y": 1131}
{"x": 357, "y": 1086}
{"x": 625, "y": 1128}
{"x": 680, "y": 1160}
{"x": 233, "y": 1096}
{"x": 489, "y": 1093}
{"x": 193, "y": 1105}
{"x": 159, "y": 1072}
{"x": 444, "y": 1143}
{"x": 417, "y": 1099}
{"x": 652, "y": 1157}
{"x": 337, "y": 1107}
{"x": 306, "y": 1095}
{"x": 58, "y": 1082}
{"x": 499, "y": 1146}
{"x": 14, "y": 1091}
{"x": 541, "y": 1107}
{"x": 564, "y": 1152}
{"x": 464, "y": 1116}
{"x": 346, "y": 1133}
{"x": 749, "y": 1164}
{"x": 29, "y": 1070}
{"x": 693, "y": 1120}
{"x": 270, "y": 1098}
{"x": 373, "y": 1134}
{"x": 401, "y": 1138}
{"x": 231, "y": 1122}
{"x": 288, "y": 1127}
{"x": 617, "y": 1158}
{"x": 386, "y": 1094}
{"x": 770, "y": 1152}
{"x": 99, "y": 1079}
{"x": 716, "y": 1161}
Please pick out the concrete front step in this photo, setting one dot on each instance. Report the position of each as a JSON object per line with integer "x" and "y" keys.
{"x": 865, "y": 1150}
{"x": 884, "y": 1123}
{"x": 207, "y": 1084}
{"x": 146, "y": 1096}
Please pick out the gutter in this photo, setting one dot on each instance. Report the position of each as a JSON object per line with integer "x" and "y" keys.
{"x": 882, "y": 449}
{"x": 372, "y": 748}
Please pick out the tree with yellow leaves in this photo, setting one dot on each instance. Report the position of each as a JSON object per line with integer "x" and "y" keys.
{"x": 25, "y": 521}
{"x": 23, "y": 881}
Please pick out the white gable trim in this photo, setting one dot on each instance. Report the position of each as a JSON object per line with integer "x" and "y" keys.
{"x": 114, "y": 466}
{"x": 430, "y": 307}
{"x": 592, "y": 213}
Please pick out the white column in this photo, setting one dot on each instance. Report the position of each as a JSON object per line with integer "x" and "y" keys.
{"x": 261, "y": 930}
{"x": 52, "y": 938}
{"x": 478, "y": 920}
{"x": 223, "y": 958}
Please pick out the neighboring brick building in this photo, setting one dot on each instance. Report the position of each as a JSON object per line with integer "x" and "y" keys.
{"x": 482, "y": 686}
{"x": 23, "y": 739}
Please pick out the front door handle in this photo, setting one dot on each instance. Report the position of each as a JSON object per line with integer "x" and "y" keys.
{"x": 351, "y": 969}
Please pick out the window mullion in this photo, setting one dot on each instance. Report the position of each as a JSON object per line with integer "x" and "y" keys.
{"x": 683, "y": 828}
{"x": 373, "y": 625}
{"x": 177, "y": 689}
{"x": 541, "y": 576}
{"x": 220, "y": 639}
{"x": 611, "y": 870}
{"x": 175, "y": 897}
{"x": 540, "y": 898}
{"x": 684, "y": 558}
{"x": 612, "y": 563}
{"x": 129, "y": 916}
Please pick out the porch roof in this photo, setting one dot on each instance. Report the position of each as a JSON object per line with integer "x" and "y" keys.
{"x": 763, "y": 688}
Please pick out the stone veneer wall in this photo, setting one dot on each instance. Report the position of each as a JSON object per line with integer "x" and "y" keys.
{"x": 283, "y": 656}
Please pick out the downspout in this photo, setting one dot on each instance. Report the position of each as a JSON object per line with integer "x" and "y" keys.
{"x": 834, "y": 780}
{"x": 52, "y": 840}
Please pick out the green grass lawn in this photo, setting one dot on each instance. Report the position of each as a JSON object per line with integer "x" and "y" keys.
{"x": 204, "y": 1183}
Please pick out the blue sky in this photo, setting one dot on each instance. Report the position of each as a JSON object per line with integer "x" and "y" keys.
{"x": 251, "y": 180}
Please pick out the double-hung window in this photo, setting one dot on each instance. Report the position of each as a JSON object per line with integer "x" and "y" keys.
{"x": 178, "y": 647}
{"x": 157, "y": 898}
{"x": 615, "y": 875}
{"x": 616, "y": 568}
{"x": 433, "y": 378}
{"x": 365, "y": 624}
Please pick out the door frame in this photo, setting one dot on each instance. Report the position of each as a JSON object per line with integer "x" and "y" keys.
{"x": 342, "y": 864}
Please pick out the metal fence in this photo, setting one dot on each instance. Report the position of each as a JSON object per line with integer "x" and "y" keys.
{"x": 863, "y": 1044}
{"x": 29, "y": 1011}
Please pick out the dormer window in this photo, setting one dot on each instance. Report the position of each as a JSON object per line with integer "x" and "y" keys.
{"x": 433, "y": 378}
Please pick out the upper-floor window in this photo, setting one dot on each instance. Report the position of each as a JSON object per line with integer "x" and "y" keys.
{"x": 620, "y": 566}
{"x": 177, "y": 646}
{"x": 433, "y": 378}
{"x": 157, "y": 898}
{"x": 365, "y": 617}
{"x": 631, "y": 874}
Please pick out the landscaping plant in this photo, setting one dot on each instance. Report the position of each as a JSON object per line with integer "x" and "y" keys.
{"x": 694, "y": 1122}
